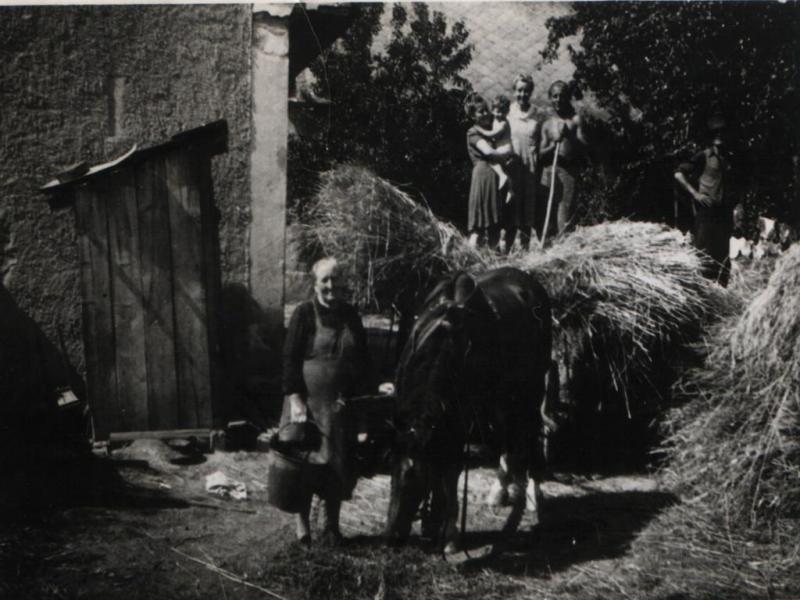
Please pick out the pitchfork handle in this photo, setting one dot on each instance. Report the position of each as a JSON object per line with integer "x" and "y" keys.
{"x": 552, "y": 191}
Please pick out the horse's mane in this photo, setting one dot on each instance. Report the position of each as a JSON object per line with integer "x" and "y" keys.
{"x": 416, "y": 410}
{"x": 448, "y": 305}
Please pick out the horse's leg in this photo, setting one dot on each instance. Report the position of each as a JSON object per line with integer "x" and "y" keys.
{"x": 526, "y": 463}
{"x": 498, "y": 494}
{"x": 506, "y": 425}
{"x": 449, "y": 482}
{"x": 432, "y": 522}
{"x": 537, "y": 450}
{"x": 520, "y": 428}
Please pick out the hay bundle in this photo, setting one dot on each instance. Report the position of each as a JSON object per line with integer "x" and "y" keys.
{"x": 738, "y": 442}
{"x": 734, "y": 455}
{"x": 640, "y": 279}
{"x": 391, "y": 245}
{"x": 622, "y": 293}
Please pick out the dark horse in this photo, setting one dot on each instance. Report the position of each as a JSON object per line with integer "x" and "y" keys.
{"x": 474, "y": 366}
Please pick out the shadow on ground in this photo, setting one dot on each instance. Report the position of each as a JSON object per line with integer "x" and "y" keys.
{"x": 597, "y": 526}
{"x": 35, "y": 483}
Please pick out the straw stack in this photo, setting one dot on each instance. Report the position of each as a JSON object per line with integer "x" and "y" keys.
{"x": 737, "y": 442}
{"x": 625, "y": 296}
{"x": 734, "y": 458}
{"x": 391, "y": 246}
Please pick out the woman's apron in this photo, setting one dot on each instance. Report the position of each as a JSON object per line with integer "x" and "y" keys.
{"x": 326, "y": 374}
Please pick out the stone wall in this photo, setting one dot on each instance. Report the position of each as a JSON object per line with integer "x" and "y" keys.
{"x": 84, "y": 83}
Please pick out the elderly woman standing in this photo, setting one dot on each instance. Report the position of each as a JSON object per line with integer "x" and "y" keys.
{"x": 483, "y": 216}
{"x": 522, "y": 214}
{"x": 325, "y": 361}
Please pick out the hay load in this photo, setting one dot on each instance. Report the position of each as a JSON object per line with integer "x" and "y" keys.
{"x": 625, "y": 295}
{"x": 621, "y": 292}
{"x": 737, "y": 443}
{"x": 391, "y": 246}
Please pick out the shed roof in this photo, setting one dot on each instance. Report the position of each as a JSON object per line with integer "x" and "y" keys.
{"x": 212, "y": 137}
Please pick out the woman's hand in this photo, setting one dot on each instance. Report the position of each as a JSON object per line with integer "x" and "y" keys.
{"x": 298, "y": 412}
{"x": 491, "y": 153}
{"x": 702, "y": 199}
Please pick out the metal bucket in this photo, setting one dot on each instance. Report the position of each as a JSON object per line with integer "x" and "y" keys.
{"x": 289, "y": 481}
{"x": 291, "y": 478}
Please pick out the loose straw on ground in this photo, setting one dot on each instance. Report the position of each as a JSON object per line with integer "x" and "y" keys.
{"x": 227, "y": 574}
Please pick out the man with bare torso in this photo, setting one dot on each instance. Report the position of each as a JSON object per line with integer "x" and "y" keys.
{"x": 707, "y": 179}
{"x": 561, "y": 133}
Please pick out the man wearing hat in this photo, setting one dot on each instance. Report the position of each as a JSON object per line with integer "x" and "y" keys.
{"x": 711, "y": 200}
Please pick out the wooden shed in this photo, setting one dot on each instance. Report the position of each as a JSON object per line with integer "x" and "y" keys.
{"x": 148, "y": 239}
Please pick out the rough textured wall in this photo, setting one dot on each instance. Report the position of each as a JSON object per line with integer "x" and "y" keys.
{"x": 185, "y": 66}
{"x": 507, "y": 38}
{"x": 83, "y": 83}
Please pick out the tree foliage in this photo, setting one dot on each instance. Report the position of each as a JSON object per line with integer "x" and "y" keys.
{"x": 395, "y": 109}
{"x": 662, "y": 68}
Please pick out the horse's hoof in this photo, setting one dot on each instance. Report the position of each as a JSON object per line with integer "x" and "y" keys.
{"x": 534, "y": 501}
{"x": 497, "y": 495}
{"x": 516, "y": 495}
{"x": 332, "y": 538}
{"x": 451, "y": 548}
{"x": 393, "y": 539}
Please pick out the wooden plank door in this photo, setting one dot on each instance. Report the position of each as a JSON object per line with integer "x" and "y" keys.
{"x": 98, "y": 322}
{"x": 128, "y": 309}
{"x": 212, "y": 278}
{"x": 188, "y": 292}
{"x": 156, "y": 270}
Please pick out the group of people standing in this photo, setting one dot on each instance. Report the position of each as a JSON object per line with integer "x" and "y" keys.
{"x": 524, "y": 174}
{"x": 520, "y": 163}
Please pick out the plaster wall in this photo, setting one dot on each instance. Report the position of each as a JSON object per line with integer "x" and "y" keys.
{"x": 268, "y": 165}
{"x": 84, "y": 83}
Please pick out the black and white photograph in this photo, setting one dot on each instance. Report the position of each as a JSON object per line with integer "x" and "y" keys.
{"x": 387, "y": 301}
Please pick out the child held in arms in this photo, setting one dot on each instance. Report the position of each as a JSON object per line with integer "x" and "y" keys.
{"x": 500, "y": 139}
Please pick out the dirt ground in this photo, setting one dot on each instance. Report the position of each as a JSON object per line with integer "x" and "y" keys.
{"x": 139, "y": 524}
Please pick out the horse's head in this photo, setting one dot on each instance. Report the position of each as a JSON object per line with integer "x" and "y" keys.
{"x": 430, "y": 378}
